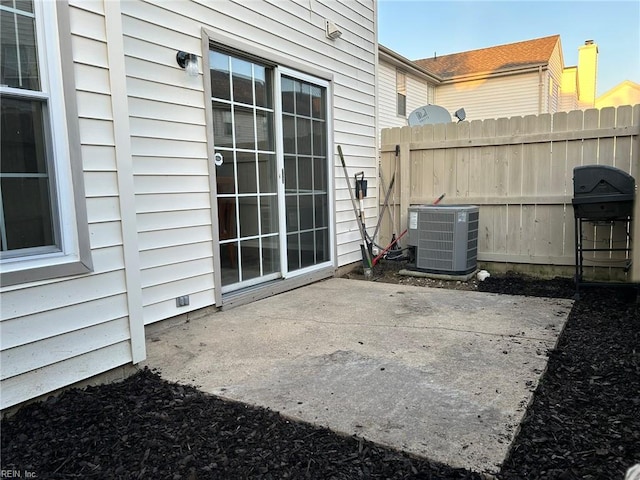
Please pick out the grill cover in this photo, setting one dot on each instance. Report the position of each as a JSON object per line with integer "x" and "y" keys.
{"x": 601, "y": 192}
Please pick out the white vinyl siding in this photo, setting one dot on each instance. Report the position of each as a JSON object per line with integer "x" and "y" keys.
{"x": 417, "y": 95}
{"x": 554, "y": 80}
{"x": 143, "y": 143}
{"x": 55, "y": 333}
{"x": 507, "y": 96}
{"x": 54, "y": 236}
{"x": 387, "y": 97}
{"x": 168, "y": 130}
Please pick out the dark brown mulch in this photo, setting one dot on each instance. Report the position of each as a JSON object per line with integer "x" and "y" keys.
{"x": 584, "y": 421}
{"x": 146, "y": 427}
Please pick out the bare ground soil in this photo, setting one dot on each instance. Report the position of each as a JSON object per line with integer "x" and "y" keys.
{"x": 583, "y": 422}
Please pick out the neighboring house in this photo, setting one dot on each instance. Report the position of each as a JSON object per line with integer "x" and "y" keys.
{"x": 516, "y": 79}
{"x": 134, "y": 190}
{"x": 625, "y": 93}
{"x": 403, "y": 86}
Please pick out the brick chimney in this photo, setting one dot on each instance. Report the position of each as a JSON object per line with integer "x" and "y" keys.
{"x": 587, "y": 74}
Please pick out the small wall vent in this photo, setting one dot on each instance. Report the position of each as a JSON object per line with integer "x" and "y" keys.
{"x": 444, "y": 238}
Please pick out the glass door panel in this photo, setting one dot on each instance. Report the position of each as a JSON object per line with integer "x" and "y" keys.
{"x": 257, "y": 242}
{"x": 246, "y": 170}
{"x": 304, "y": 125}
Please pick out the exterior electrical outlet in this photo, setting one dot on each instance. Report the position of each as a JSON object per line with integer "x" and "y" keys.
{"x": 444, "y": 237}
{"x": 182, "y": 301}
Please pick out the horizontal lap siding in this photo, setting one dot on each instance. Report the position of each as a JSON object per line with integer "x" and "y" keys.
{"x": 168, "y": 130}
{"x": 55, "y": 333}
{"x": 507, "y": 96}
{"x": 171, "y": 174}
{"x": 387, "y": 102}
{"x": 417, "y": 93}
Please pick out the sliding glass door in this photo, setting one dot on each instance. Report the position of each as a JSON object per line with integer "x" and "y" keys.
{"x": 270, "y": 137}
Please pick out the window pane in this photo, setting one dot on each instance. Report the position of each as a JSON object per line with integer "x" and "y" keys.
{"x": 267, "y": 173}
{"x": 24, "y": 5}
{"x": 322, "y": 245}
{"x": 290, "y": 174}
{"x": 319, "y": 143}
{"x": 269, "y": 214}
{"x": 263, "y": 86}
{"x": 320, "y": 174}
{"x": 264, "y": 123}
{"x": 242, "y": 81}
{"x": 304, "y": 136}
{"x": 246, "y": 172}
{"x": 19, "y": 55}
{"x": 270, "y": 255}
{"x": 321, "y": 210}
{"x": 306, "y": 212}
{"x": 245, "y": 133}
{"x": 293, "y": 252}
{"x": 291, "y": 204}
{"x": 307, "y": 249}
{"x": 26, "y": 196}
{"x": 227, "y": 218}
{"x": 220, "y": 82}
{"x": 225, "y": 174}
{"x": 303, "y": 99}
{"x": 401, "y": 89}
{"x": 250, "y": 251}
{"x": 289, "y": 134}
{"x": 402, "y": 105}
{"x": 222, "y": 125}
{"x": 229, "y": 262}
{"x": 23, "y": 144}
{"x": 287, "y": 95}
{"x": 248, "y": 216}
{"x": 317, "y": 102}
{"x": 27, "y": 213}
{"x": 305, "y": 174}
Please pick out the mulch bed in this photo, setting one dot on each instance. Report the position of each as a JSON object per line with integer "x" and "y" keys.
{"x": 583, "y": 422}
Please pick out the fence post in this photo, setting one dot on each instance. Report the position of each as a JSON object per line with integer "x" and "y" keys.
{"x": 405, "y": 177}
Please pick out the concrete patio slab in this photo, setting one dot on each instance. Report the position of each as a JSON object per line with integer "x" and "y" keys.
{"x": 438, "y": 373}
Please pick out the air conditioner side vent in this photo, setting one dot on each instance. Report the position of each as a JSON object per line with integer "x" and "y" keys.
{"x": 445, "y": 238}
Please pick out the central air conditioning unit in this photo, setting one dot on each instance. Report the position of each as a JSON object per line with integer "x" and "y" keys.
{"x": 444, "y": 238}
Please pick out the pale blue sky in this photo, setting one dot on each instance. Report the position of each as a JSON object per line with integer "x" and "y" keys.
{"x": 418, "y": 28}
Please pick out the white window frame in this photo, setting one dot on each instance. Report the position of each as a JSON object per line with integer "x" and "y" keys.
{"x": 55, "y": 61}
{"x": 401, "y": 89}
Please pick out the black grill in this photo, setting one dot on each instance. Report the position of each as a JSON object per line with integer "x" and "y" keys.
{"x": 601, "y": 192}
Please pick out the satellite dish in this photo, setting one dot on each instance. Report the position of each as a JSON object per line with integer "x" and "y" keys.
{"x": 460, "y": 114}
{"x": 428, "y": 115}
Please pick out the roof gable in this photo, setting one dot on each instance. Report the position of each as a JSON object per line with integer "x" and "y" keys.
{"x": 493, "y": 59}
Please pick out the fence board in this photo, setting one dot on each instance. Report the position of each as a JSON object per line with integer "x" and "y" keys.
{"x": 519, "y": 170}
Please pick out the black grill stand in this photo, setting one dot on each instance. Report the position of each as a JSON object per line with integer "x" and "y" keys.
{"x": 602, "y": 195}
{"x": 580, "y": 250}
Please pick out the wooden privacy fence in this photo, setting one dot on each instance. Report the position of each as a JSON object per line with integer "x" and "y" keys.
{"x": 519, "y": 171}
